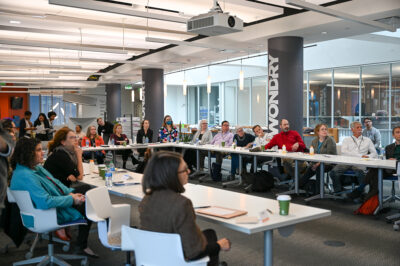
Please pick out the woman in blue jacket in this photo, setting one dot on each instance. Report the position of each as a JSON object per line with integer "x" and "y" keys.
{"x": 46, "y": 191}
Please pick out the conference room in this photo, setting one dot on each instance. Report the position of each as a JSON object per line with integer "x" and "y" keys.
{"x": 208, "y": 132}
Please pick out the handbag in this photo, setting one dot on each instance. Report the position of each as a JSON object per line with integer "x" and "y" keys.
{"x": 369, "y": 206}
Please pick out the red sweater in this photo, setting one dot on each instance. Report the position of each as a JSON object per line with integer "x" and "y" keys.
{"x": 288, "y": 139}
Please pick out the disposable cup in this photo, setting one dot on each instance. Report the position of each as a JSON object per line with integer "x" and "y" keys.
{"x": 284, "y": 202}
{"x": 223, "y": 144}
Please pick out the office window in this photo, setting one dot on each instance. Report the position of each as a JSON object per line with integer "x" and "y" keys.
{"x": 243, "y": 109}
{"x": 319, "y": 105}
{"x": 346, "y": 96}
{"x": 395, "y": 105}
{"x": 192, "y": 105}
{"x": 230, "y": 101}
{"x": 214, "y": 105}
{"x": 175, "y": 104}
{"x": 258, "y": 101}
{"x": 375, "y": 97}
{"x": 203, "y": 102}
{"x": 34, "y": 106}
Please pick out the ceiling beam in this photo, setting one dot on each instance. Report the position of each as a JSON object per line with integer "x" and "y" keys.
{"x": 113, "y": 8}
{"x": 340, "y": 14}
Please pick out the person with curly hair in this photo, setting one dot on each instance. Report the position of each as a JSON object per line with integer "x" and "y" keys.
{"x": 46, "y": 191}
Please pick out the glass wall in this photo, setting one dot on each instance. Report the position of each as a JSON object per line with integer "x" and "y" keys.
{"x": 46, "y": 103}
{"x": 395, "y": 99}
{"x": 258, "y": 101}
{"x": 230, "y": 101}
{"x": 214, "y": 104}
{"x": 243, "y": 99}
{"x": 192, "y": 105}
{"x": 319, "y": 97}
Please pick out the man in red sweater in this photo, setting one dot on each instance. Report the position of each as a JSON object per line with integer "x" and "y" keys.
{"x": 293, "y": 142}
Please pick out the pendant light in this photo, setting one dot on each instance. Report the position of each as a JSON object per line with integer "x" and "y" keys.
{"x": 133, "y": 95}
{"x": 209, "y": 81}
{"x": 241, "y": 76}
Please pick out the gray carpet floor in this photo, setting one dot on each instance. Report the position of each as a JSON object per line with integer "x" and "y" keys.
{"x": 342, "y": 239}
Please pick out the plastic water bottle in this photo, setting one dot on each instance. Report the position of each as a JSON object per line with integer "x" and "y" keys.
{"x": 168, "y": 139}
{"x": 111, "y": 167}
{"x": 234, "y": 145}
{"x": 146, "y": 140}
{"x": 311, "y": 150}
{"x": 197, "y": 142}
{"x": 87, "y": 143}
{"x": 109, "y": 175}
{"x": 284, "y": 149}
{"x": 112, "y": 142}
{"x": 382, "y": 154}
{"x": 91, "y": 166}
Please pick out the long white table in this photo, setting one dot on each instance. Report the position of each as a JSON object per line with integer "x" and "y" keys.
{"x": 208, "y": 196}
{"x": 296, "y": 156}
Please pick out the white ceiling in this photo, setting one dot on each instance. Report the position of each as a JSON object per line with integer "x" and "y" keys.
{"x": 50, "y": 45}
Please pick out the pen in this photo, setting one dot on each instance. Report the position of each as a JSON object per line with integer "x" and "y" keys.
{"x": 202, "y": 207}
{"x": 268, "y": 210}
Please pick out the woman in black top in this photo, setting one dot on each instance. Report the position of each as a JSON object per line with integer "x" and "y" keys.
{"x": 144, "y": 134}
{"x": 121, "y": 139}
{"x": 65, "y": 163}
{"x": 42, "y": 126}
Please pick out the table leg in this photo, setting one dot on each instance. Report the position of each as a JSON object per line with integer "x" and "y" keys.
{"x": 268, "y": 256}
{"x": 380, "y": 190}
{"x": 209, "y": 162}
{"x": 92, "y": 152}
{"x": 114, "y": 158}
{"x": 255, "y": 164}
{"x": 321, "y": 194}
{"x": 198, "y": 159}
{"x": 296, "y": 189}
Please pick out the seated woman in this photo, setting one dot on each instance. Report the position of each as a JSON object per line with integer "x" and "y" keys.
{"x": 204, "y": 136}
{"x": 168, "y": 132}
{"x": 145, "y": 134}
{"x": 120, "y": 139}
{"x": 79, "y": 133}
{"x": 93, "y": 140}
{"x": 322, "y": 144}
{"x": 163, "y": 208}
{"x": 42, "y": 127}
{"x": 46, "y": 191}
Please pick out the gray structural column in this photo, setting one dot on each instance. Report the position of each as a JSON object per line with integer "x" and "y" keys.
{"x": 153, "y": 97}
{"x": 113, "y": 101}
{"x": 285, "y": 82}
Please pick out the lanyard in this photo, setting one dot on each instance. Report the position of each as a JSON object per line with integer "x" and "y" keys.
{"x": 54, "y": 183}
{"x": 359, "y": 145}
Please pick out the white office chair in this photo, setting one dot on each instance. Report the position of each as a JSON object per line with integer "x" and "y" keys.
{"x": 109, "y": 218}
{"x": 152, "y": 248}
{"x": 42, "y": 221}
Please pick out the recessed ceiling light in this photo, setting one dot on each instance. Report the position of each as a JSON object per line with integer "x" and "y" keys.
{"x": 15, "y": 22}
{"x": 39, "y": 16}
{"x": 324, "y": 32}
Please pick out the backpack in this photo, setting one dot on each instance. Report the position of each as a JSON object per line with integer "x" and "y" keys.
{"x": 263, "y": 181}
{"x": 369, "y": 206}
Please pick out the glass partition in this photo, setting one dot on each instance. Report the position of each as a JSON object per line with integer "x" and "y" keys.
{"x": 258, "y": 101}
{"x": 243, "y": 107}
{"x": 230, "y": 101}
{"x": 320, "y": 100}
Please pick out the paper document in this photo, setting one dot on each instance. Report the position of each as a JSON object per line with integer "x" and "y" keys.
{"x": 220, "y": 211}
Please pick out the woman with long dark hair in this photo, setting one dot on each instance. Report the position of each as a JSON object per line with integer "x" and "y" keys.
{"x": 46, "y": 191}
{"x": 42, "y": 127}
{"x": 145, "y": 134}
{"x": 164, "y": 209}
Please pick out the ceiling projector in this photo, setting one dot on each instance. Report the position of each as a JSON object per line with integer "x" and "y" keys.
{"x": 214, "y": 23}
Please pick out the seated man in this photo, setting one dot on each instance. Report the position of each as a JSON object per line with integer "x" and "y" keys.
{"x": 372, "y": 133}
{"x": 392, "y": 152}
{"x": 245, "y": 140}
{"x": 355, "y": 146}
{"x": 293, "y": 142}
{"x": 225, "y": 137}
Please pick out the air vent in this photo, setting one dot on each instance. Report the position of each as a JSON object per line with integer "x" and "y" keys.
{"x": 201, "y": 23}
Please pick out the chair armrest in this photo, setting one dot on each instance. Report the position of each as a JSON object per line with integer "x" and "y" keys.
{"x": 94, "y": 218}
{"x": 121, "y": 215}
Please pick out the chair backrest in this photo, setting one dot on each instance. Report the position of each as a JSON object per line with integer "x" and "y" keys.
{"x": 39, "y": 221}
{"x": 99, "y": 209}
{"x": 152, "y": 248}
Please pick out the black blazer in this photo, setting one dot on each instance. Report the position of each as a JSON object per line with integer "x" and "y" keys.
{"x": 22, "y": 126}
{"x": 140, "y": 135}
{"x": 60, "y": 165}
{"x": 389, "y": 150}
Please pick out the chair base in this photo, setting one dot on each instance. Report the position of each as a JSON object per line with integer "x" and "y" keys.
{"x": 52, "y": 258}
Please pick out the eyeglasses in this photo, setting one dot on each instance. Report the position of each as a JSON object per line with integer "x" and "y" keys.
{"x": 184, "y": 171}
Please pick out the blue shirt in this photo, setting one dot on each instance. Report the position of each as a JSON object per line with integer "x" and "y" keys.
{"x": 44, "y": 193}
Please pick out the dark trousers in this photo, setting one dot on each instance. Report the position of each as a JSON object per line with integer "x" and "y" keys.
{"x": 371, "y": 179}
{"x": 83, "y": 233}
{"x": 125, "y": 154}
{"x": 303, "y": 180}
{"x": 98, "y": 155}
{"x": 212, "y": 248}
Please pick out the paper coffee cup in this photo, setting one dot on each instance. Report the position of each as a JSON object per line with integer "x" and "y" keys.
{"x": 284, "y": 201}
{"x": 223, "y": 144}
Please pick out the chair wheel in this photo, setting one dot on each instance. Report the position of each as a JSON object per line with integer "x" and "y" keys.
{"x": 28, "y": 255}
{"x": 65, "y": 248}
{"x": 396, "y": 227}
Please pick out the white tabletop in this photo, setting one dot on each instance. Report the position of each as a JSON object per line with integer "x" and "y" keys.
{"x": 208, "y": 196}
